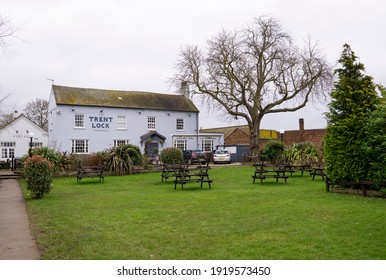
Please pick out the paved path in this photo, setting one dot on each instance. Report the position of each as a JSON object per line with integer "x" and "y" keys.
{"x": 16, "y": 242}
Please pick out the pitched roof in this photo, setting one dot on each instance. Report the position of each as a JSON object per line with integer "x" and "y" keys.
{"x": 226, "y": 130}
{"x": 121, "y": 99}
{"x": 22, "y": 116}
{"x": 152, "y": 135}
{"x": 264, "y": 133}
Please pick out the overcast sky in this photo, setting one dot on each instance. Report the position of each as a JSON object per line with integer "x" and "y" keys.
{"x": 134, "y": 44}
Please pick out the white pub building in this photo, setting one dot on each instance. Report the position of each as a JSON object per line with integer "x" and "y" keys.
{"x": 85, "y": 120}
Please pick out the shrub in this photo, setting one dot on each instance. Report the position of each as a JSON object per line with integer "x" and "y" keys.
{"x": 171, "y": 155}
{"x": 302, "y": 153}
{"x": 38, "y": 172}
{"x": 122, "y": 159}
{"x": 273, "y": 151}
{"x": 53, "y": 156}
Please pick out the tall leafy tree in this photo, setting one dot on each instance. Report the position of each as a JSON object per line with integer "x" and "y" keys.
{"x": 353, "y": 98}
{"x": 375, "y": 144}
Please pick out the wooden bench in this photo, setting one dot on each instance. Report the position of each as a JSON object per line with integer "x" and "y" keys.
{"x": 361, "y": 183}
{"x": 90, "y": 171}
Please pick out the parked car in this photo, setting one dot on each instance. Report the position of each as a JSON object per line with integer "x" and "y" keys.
{"x": 195, "y": 156}
{"x": 222, "y": 156}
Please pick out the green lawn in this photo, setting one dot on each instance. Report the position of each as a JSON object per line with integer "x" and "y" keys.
{"x": 139, "y": 217}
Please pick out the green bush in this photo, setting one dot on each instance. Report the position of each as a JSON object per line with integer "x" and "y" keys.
{"x": 122, "y": 159}
{"x": 171, "y": 155}
{"x": 38, "y": 172}
{"x": 302, "y": 153}
{"x": 53, "y": 156}
{"x": 273, "y": 151}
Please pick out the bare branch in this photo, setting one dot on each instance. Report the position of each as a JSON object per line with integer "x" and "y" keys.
{"x": 255, "y": 71}
{"x": 7, "y": 31}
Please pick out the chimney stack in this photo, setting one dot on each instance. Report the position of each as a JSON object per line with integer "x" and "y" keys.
{"x": 184, "y": 90}
{"x": 301, "y": 124}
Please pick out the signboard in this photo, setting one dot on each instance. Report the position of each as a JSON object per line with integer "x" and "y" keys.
{"x": 101, "y": 122}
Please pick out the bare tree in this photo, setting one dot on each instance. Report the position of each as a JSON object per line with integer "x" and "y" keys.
{"x": 254, "y": 72}
{"x": 7, "y": 30}
{"x": 37, "y": 111}
{"x": 5, "y": 119}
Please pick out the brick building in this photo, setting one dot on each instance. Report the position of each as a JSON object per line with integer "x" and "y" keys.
{"x": 239, "y": 136}
{"x": 315, "y": 136}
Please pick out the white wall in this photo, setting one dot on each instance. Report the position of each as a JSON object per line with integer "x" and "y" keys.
{"x": 17, "y": 132}
{"x": 101, "y": 126}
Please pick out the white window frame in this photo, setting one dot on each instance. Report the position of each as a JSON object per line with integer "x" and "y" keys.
{"x": 118, "y": 142}
{"x": 205, "y": 144}
{"x": 121, "y": 122}
{"x": 8, "y": 144}
{"x": 79, "y": 146}
{"x": 4, "y": 153}
{"x": 151, "y": 123}
{"x": 8, "y": 149}
{"x": 180, "y": 124}
{"x": 37, "y": 144}
{"x": 11, "y": 152}
{"x": 180, "y": 144}
{"x": 79, "y": 121}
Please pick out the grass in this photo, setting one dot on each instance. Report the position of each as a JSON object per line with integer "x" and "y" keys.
{"x": 139, "y": 217}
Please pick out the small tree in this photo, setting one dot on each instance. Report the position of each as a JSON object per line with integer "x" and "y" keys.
{"x": 38, "y": 172}
{"x": 353, "y": 98}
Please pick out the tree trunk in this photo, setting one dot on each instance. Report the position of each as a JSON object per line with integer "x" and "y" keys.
{"x": 254, "y": 140}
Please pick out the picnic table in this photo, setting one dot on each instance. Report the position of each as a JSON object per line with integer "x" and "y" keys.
{"x": 317, "y": 171}
{"x": 261, "y": 173}
{"x": 187, "y": 174}
{"x": 169, "y": 170}
{"x": 300, "y": 167}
